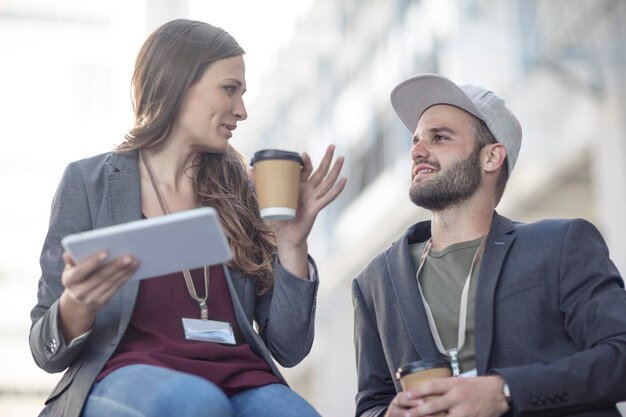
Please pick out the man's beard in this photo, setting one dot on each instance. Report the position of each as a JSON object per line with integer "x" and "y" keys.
{"x": 453, "y": 186}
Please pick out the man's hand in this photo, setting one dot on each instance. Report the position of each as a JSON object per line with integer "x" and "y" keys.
{"x": 460, "y": 397}
{"x": 402, "y": 405}
{"x": 469, "y": 397}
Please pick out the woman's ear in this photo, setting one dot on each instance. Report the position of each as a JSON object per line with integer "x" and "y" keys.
{"x": 494, "y": 155}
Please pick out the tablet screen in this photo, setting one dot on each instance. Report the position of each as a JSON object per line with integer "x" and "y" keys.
{"x": 163, "y": 245}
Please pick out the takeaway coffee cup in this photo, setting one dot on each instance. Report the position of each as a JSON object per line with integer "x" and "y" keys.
{"x": 413, "y": 373}
{"x": 277, "y": 178}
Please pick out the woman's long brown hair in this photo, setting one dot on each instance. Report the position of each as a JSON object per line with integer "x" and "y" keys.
{"x": 171, "y": 60}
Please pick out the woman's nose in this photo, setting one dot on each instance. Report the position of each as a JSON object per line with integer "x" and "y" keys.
{"x": 240, "y": 110}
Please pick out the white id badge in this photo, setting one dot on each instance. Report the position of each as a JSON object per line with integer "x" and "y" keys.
{"x": 209, "y": 331}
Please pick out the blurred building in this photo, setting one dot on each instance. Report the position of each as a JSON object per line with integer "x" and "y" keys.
{"x": 558, "y": 63}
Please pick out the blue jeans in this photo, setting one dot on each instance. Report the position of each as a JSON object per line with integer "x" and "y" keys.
{"x": 151, "y": 391}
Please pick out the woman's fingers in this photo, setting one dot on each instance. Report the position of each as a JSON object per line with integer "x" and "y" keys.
{"x": 75, "y": 273}
{"x": 307, "y": 167}
{"x": 331, "y": 179}
{"x": 333, "y": 193}
{"x": 113, "y": 281}
{"x": 117, "y": 270}
{"x": 321, "y": 171}
{"x": 250, "y": 175}
{"x": 93, "y": 283}
{"x": 67, "y": 258}
{"x": 324, "y": 185}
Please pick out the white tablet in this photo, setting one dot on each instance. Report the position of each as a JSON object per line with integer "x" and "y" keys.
{"x": 163, "y": 245}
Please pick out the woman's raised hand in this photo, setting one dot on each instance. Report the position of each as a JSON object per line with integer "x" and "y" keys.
{"x": 317, "y": 189}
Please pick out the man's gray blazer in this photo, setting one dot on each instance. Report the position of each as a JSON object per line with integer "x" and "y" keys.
{"x": 550, "y": 318}
{"x": 103, "y": 191}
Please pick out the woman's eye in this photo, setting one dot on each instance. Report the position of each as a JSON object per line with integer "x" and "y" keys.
{"x": 230, "y": 88}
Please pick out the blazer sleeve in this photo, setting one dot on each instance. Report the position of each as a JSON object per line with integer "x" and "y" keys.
{"x": 69, "y": 214}
{"x": 286, "y": 315}
{"x": 592, "y": 301}
{"x": 375, "y": 386}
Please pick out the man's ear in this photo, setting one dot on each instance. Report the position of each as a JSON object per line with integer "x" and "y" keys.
{"x": 493, "y": 156}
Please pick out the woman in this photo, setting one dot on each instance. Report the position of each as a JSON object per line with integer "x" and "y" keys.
{"x": 123, "y": 344}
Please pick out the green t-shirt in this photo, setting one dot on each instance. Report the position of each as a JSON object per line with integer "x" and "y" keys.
{"x": 442, "y": 279}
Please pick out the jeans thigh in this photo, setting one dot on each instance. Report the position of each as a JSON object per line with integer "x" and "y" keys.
{"x": 145, "y": 390}
{"x": 274, "y": 400}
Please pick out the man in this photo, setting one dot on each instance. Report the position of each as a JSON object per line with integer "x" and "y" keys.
{"x": 541, "y": 308}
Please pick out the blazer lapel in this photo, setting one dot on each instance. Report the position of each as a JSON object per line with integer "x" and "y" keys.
{"x": 402, "y": 275}
{"x": 124, "y": 188}
{"x": 124, "y": 195}
{"x": 498, "y": 244}
{"x": 235, "y": 282}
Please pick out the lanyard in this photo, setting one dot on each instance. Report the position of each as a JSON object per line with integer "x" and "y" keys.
{"x": 191, "y": 289}
{"x": 453, "y": 352}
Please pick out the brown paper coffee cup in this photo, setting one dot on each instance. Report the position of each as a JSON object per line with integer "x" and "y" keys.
{"x": 277, "y": 178}
{"x": 412, "y": 374}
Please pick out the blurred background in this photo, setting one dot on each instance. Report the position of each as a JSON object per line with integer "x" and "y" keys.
{"x": 318, "y": 72}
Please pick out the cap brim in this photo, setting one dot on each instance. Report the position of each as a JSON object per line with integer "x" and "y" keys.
{"x": 412, "y": 97}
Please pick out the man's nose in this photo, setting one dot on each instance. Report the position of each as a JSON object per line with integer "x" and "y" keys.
{"x": 419, "y": 150}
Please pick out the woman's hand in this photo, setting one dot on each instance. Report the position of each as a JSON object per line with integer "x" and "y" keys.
{"x": 317, "y": 189}
{"x": 89, "y": 284}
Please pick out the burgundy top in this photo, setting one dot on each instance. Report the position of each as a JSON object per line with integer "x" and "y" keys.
{"x": 155, "y": 334}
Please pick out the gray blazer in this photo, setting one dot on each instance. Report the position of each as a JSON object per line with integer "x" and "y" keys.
{"x": 105, "y": 190}
{"x": 550, "y": 318}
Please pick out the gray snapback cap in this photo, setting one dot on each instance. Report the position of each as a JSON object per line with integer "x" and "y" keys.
{"x": 412, "y": 97}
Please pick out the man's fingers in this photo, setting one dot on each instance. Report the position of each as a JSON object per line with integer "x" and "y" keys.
{"x": 435, "y": 386}
{"x": 404, "y": 400}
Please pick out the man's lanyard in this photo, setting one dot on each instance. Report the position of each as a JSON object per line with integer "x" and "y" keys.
{"x": 452, "y": 353}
